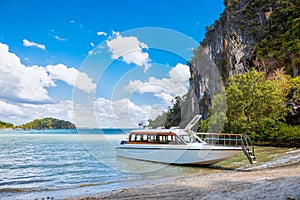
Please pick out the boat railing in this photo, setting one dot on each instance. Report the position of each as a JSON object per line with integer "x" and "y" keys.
{"x": 224, "y": 139}
{"x": 231, "y": 139}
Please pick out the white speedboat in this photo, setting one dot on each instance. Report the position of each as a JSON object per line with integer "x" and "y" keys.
{"x": 183, "y": 146}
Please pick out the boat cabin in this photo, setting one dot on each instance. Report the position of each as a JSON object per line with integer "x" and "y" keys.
{"x": 162, "y": 137}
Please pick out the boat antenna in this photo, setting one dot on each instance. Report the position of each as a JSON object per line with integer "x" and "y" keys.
{"x": 192, "y": 123}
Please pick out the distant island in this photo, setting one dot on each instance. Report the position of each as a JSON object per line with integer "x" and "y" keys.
{"x": 40, "y": 124}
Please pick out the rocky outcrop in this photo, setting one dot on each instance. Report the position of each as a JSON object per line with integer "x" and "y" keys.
{"x": 227, "y": 50}
{"x": 294, "y": 116}
{"x": 230, "y": 40}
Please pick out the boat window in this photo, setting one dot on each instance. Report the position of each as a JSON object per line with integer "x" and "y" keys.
{"x": 166, "y": 139}
{"x": 190, "y": 139}
{"x": 186, "y": 138}
{"x": 151, "y": 138}
{"x": 163, "y": 139}
{"x": 132, "y": 138}
{"x": 145, "y": 137}
{"x": 178, "y": 141}
{"x": 138, "y": 138}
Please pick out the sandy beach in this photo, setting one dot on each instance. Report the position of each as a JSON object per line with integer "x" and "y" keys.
{"x": 274, "y": 183}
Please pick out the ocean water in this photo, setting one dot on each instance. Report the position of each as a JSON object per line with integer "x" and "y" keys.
{"x": 68, "y": 163}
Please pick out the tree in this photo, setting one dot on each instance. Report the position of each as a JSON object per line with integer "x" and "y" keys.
{"x": 280, "y": 44}
{"x": 170, "y": 118}
{"x": 253, "y": 105}
{"x": 48, "y": 123}
{"x": 174, "y": 114}
{"x": 6, "y": 125}
{"x": 159, "y": 121}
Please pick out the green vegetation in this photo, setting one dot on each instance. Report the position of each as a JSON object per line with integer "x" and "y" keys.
{"x": 159, "y": 121}
{"x": 281, "y": 41}
{"x": 45, "y": 123}
{"x": 266, "y": 105}
{"x": 252, "y": 105}
{"x": 48, "y": 123}
{"x": 271, "y": 27}
{"x": 257, "y": 107}
{"x": 5, "y": 125}
{"x": 170, "y": 118}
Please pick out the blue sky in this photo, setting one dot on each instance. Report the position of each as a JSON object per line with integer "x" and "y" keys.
{"x": 58, "y": 41}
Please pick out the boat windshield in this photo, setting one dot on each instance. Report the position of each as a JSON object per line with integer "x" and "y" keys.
{"x": 190, "y": 138}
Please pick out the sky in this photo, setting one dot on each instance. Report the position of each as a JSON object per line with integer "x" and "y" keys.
{"x": 97, "y": 63}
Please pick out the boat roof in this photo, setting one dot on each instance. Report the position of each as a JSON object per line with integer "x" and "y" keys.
{"x": 153, "y": 131}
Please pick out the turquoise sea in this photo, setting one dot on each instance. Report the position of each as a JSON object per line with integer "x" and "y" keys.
{"x": 68, "y": 163}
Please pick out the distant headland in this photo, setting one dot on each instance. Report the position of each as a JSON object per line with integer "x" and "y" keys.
{"x": 40, "y": 124}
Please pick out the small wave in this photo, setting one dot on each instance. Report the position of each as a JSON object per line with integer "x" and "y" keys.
{"x": 281, "y": 161}
{"x": 12, "y": 190}
{"x": 22, "y": 182}
{"x": 293, "y": 151}
{"x": 18, "y": 190}
{"x": 96, "y": 184}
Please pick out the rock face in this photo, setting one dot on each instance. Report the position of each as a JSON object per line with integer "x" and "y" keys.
{"x": 228, "y": 45}
{"x": 294, "y": 105}
{"x": 230, "y": 40}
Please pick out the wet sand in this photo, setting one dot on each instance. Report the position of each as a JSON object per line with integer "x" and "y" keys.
{"x": 276, "y": 183}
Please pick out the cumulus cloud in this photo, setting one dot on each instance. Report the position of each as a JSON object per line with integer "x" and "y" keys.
{"x": 71, "y": 76}
{"x": 176, "y": 84}
{"x": 30, "y": 83}
{"x": 27, "y": 43}
{"x": 20, "y": 113}
{"x": 10, "y": 109}
{"x": 130, "y": 49}
{"x": 101, "y": 33}
{"x": 123, "y": 112}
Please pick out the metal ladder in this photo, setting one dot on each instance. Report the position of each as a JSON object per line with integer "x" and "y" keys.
{"x": 248, "y": 149}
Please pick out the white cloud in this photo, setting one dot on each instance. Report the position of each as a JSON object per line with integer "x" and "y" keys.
{"x": 115, "y": 33}
{"x": 52, "y": 33}
{"x": 60, "y": 38}
{"x": 123, "y": 113}
{"x": 166, "y": 88}
{"x": 92, "y": 44}
{"x": 130, "y": 49}
{"x": 79, "y": 26}
{"x": 20, "y": 113}
{"x": 22, "y": 86}
{"x": 27, "y": 43}
{"x": 29, "y": 83}
{"x": 10, "y": 109}
{"x": 71, "y": 76}
{"x": 101, "y": 33}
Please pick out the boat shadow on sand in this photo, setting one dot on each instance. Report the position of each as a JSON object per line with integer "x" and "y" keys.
{"x": 214, "y": 167}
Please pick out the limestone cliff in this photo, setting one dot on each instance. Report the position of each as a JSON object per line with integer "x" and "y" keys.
{"x": 233, "y": 43}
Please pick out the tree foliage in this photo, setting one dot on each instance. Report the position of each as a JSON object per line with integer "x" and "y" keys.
{"x": 48, "y": 123}
{"x": 256, "y": 106}
{"x": 6, "y": 125}
{"x": 159, "y": 121}
{"x": 253, "y": 104}
{"x": 281, "y": 43}
{"x": 170, "y": 118}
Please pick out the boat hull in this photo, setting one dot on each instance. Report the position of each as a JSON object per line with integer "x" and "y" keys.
{"x": 177, "y": 154}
